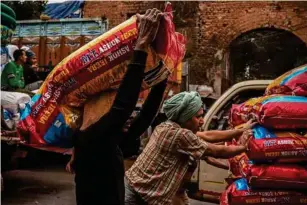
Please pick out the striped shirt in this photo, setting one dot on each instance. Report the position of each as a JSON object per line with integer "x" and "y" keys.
{"x": 158, "y": 172}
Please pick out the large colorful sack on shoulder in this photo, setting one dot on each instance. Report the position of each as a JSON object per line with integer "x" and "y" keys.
{"x": 97, "y": 67}
{"x": 276, "y": 111}
{"x": 239, "y": 193}
{"x": 293, "y": 82}
{"x": 98, "y": 105}
{"x": 267, "y": 145}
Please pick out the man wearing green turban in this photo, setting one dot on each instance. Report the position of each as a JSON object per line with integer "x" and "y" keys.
{"x": 182, "y": 107}
{"x": 157, "y": 174}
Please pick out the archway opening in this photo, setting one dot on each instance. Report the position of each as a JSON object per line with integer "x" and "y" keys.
{"x": 265, "y": 54}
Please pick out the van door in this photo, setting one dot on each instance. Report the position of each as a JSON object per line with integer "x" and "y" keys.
{"x": 208, "y": 177}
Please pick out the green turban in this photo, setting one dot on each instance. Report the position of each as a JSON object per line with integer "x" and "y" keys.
{"x": 182, "y": 107}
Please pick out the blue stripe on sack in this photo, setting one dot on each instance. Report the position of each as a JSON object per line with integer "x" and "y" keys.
{"x": 262, "y": 133}
{"x": 35, "y": 98}
{"x": 59, "y": 133}
{"x": 296, "y": 73}
{"x": 286, "y": 99}
{"x": 250, "y": 162}
{"x": 241, "y": 184}
{"x": 26, "y": 112}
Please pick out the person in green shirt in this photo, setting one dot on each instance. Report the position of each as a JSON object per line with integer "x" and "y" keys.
{"x": 12, "y": 74}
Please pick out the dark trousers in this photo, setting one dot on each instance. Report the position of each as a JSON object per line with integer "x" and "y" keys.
{"x": 100, "y": 180}
{"x": 91, "y": 191}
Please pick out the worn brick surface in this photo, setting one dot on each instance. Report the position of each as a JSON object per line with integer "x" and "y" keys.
{"x": 211, "y": 26}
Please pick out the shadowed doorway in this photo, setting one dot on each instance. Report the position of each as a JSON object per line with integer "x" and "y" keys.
{"x": 264, "y": 54}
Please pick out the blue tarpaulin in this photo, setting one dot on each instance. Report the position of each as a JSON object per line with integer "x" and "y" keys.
{"x": 65, "y": 9}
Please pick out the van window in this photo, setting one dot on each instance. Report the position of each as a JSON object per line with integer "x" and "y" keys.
{"x": 220, "y": 120}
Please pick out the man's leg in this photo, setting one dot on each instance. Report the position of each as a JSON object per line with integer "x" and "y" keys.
{"x": 181, "y": 198}
{"x": 132, "y": 197}
{"x": 80, "y": 190}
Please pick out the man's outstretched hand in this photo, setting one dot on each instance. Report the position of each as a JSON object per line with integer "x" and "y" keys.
{"x": 245, "y": 137}
{"x": 249, "y": 125}
{"x": 148, "y": 25}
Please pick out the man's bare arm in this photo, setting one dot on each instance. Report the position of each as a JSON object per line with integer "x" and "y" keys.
{"x": 214, "y": 136}
{"x": 222, "y": 151}
{"x": 217, "y": 162}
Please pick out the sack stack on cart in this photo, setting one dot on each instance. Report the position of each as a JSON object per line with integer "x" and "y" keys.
{"x": 274, "y": 168}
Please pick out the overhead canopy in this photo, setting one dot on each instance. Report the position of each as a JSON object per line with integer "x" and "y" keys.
{"x": 66, "y": 9}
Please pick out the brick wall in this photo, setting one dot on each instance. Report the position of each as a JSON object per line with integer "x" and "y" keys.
{"x": 211, "y": 27}
{"x": 116, "y": 11}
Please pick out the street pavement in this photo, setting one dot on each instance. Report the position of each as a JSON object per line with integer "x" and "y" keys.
{"x": 49, "y": 185}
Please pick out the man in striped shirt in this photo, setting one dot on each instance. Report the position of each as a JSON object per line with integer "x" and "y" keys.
{"x": 158, "y": 172}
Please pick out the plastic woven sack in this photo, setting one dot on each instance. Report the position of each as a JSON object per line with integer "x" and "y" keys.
{"x": 239, "y": 193}
{"x": 293, "y": 82}
{"x": 97, "y": 67}
{"x": 267, "y": 145}
{"x": 236, "y": 163}
{"x": 276, "y": 176}
{"x": 241, "y": 113}
{"x": 233, "y": 162}
{"x": 276, "y": 111}
{"x": 269, "y": 175}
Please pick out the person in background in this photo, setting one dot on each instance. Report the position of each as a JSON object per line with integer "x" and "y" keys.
{"x": 159, "y": 171}
{"x": 12, "y": 77}
{"x": 32, "y": 81}
{"x": 98, "y": 160}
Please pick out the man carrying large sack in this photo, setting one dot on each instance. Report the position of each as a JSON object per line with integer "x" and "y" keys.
{"x": 99, "y": 164}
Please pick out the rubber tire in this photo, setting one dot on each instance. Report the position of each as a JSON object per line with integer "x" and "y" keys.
{"x": 8, "y": 21}
{"x": 7, "y": 10}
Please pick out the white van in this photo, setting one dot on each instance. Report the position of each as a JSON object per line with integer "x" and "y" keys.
{"x": 208, "y": 181}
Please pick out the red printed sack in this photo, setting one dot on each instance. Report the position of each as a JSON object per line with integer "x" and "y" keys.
{"x": 293, "y": 82}
{"x": 281, "y": 147}
{"x": 97, "y": 68}
{"x": 239, "y": 193}
{"x": 272, "y": 175}
{"x": 286, "y": 176}
{"x": 276, "y": 111}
